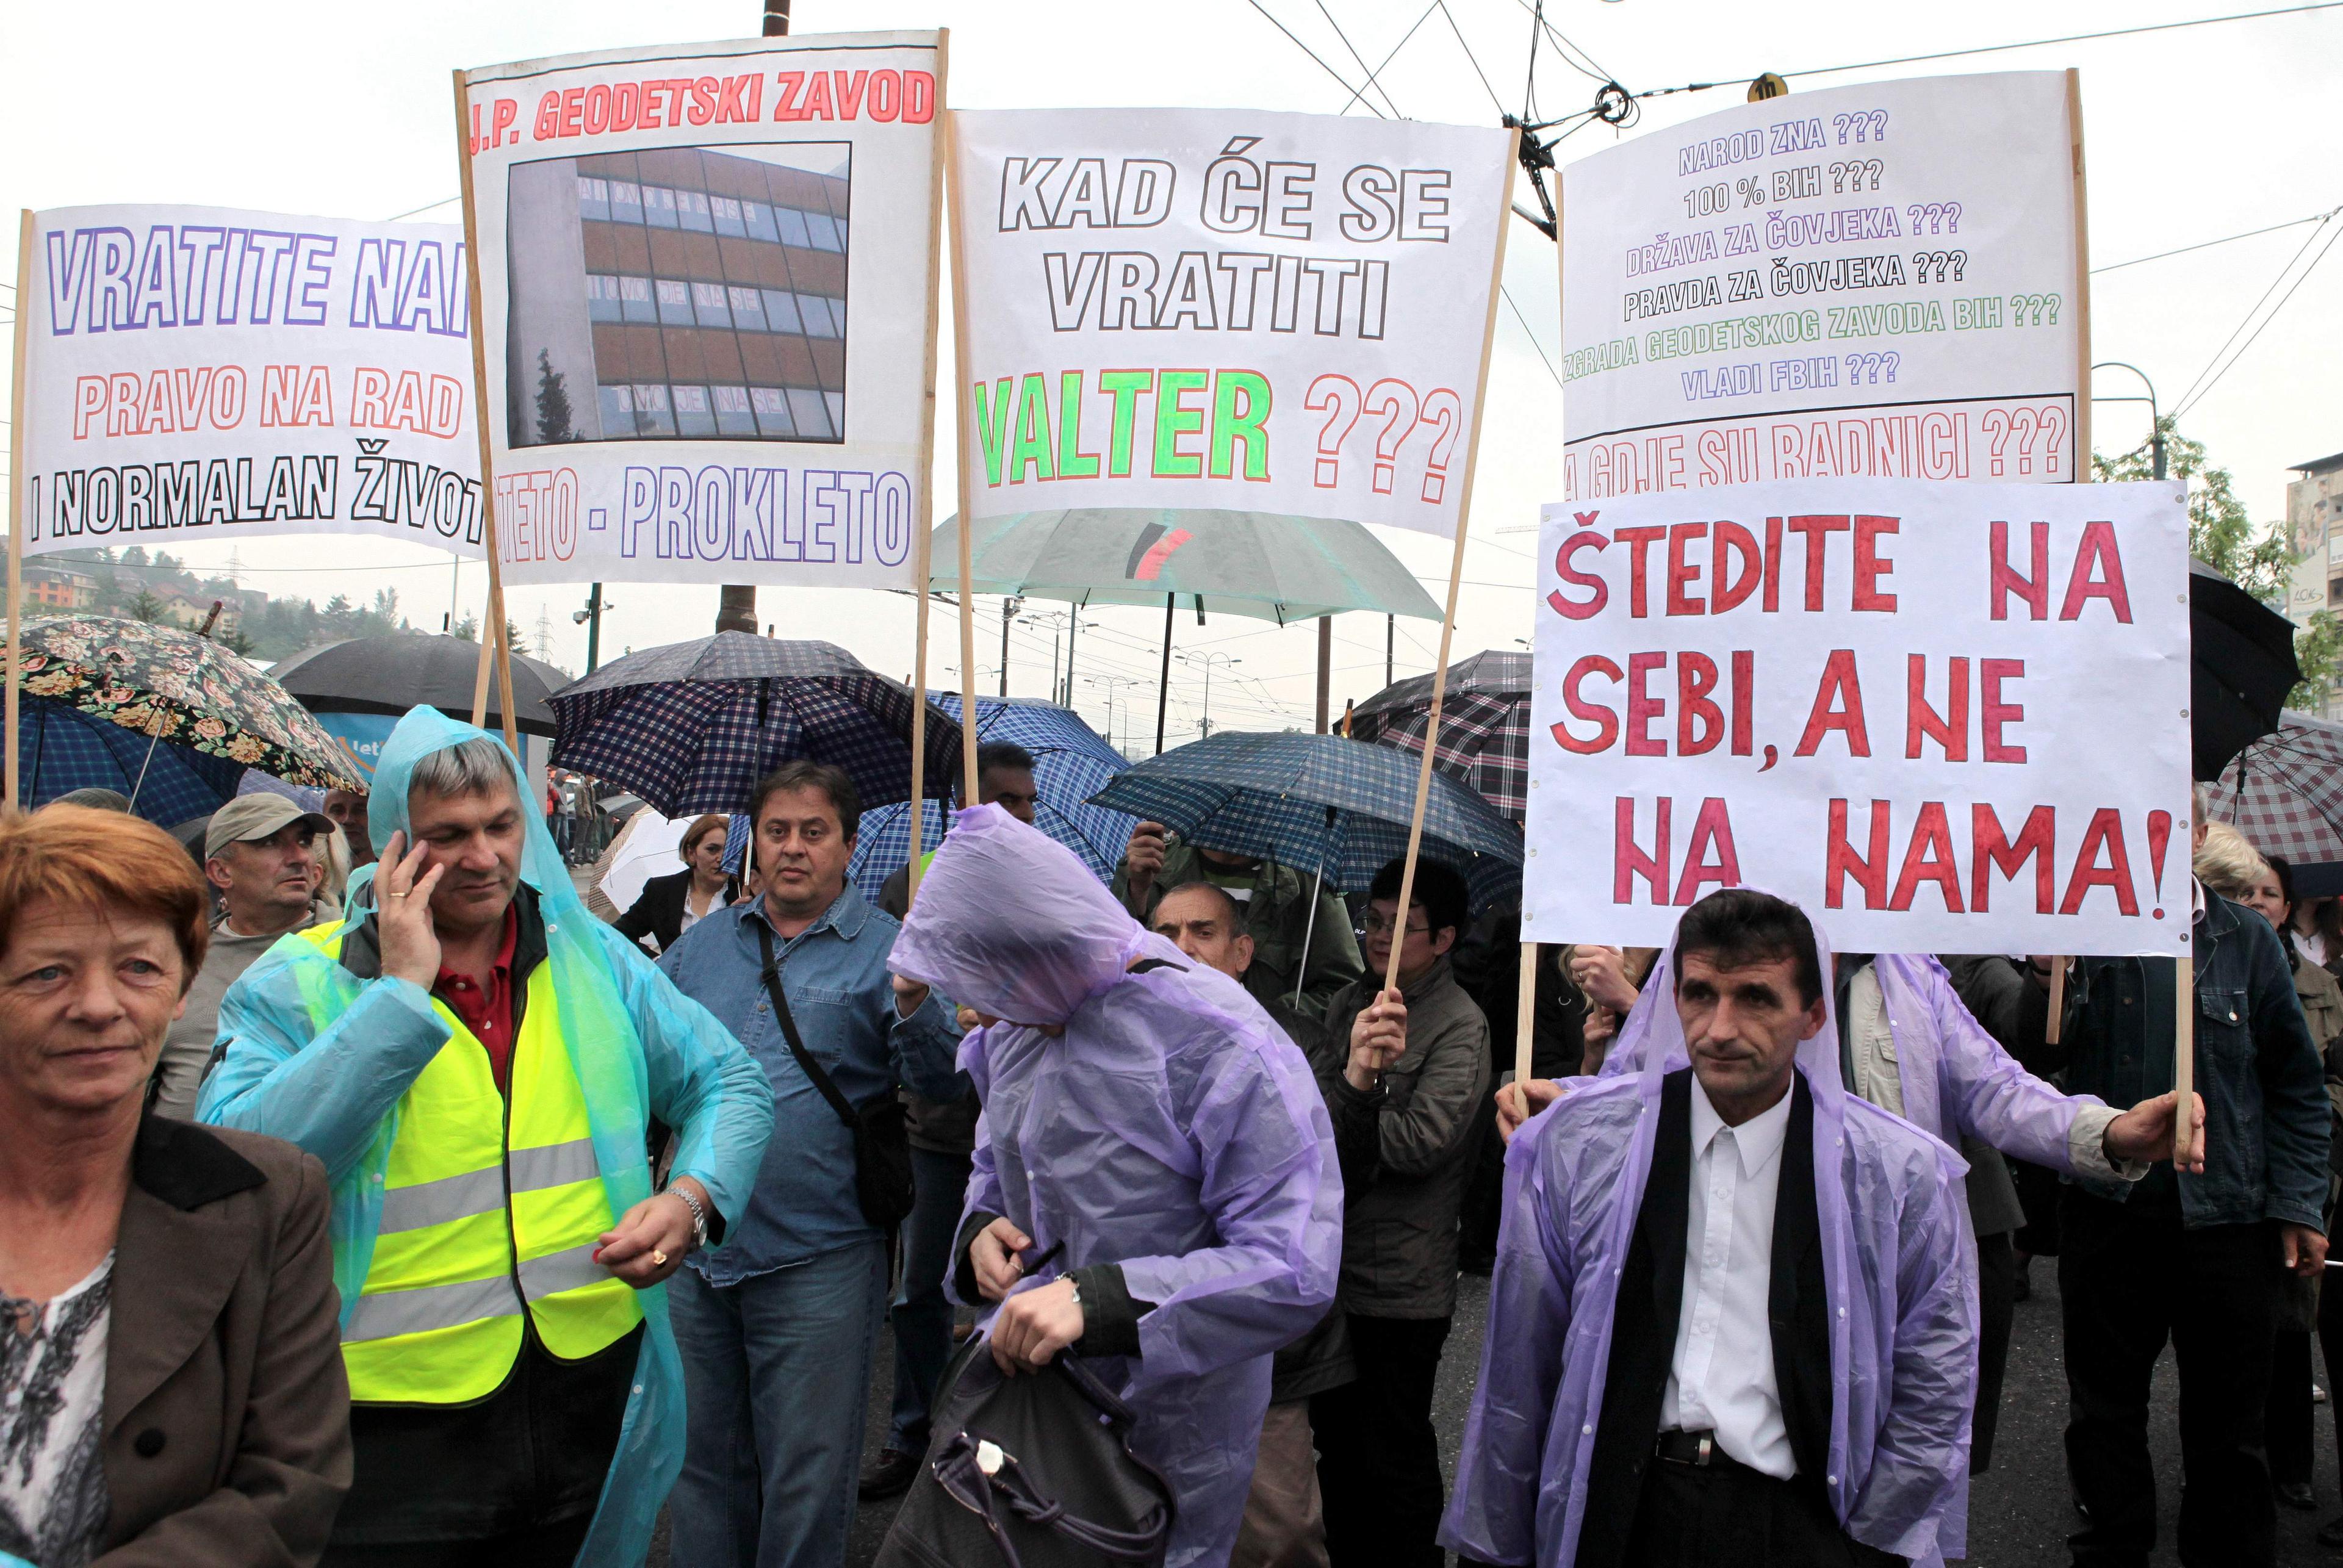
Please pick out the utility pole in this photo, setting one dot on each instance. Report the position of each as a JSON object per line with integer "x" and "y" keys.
{"x": 736, "y": 605}
{"x": 1008, "y": 607}
{"x": 1073, "y": 625}
{"x": 592, "y": 616}
{"x": 1204, "y": 724}
{"x": 1325, "y": 668}
{"x": 1391, "y": 632}
{"x": 1163, "y": 680}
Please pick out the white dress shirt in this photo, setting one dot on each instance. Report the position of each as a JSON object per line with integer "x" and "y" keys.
{"x": 1722, "y": 1376}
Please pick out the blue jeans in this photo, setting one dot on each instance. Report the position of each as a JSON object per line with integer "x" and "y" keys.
{"x": 776, "y": 1370}
{"x": 922, "y": 1318}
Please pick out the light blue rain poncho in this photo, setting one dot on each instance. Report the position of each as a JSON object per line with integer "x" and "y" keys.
{"x": 1171, "y": 1128}
{"x": 1899, "y": 1274}
{"x": 335, "y": 1093}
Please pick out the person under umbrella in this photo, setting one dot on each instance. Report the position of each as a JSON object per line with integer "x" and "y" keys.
{"x": 1155, "y": 1180}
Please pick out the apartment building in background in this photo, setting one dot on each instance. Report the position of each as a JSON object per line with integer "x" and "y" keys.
{"x": 2314, "y": 523}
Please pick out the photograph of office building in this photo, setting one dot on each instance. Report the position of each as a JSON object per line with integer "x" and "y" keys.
{"x": 685, "y": 293}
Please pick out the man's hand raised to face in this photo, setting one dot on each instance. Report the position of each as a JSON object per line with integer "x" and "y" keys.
{"x": 1143, "y": 857}
{"x": 410, "y": 941}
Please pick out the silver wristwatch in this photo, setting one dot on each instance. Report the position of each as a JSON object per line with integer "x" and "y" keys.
{"x": 699, "y": 1216}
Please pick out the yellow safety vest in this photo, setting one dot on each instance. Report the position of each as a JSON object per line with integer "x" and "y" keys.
{"x": 487, "y": 1211}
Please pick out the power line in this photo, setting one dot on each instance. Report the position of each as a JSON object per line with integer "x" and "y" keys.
{"x": 427, "y": 206}
{"x": 2250, "y": 312}
{"x": 1576, "y": 58}
{"x": 1470, "y": 59}
{"x": 1531, "y": 336}
{"x": 2210, "y": 244}
{"x": 1345, "y": 39}
{"x": 1330, "y": 70}
{"x": 2188, "y": 403}
{"x": 1378, "y": 71}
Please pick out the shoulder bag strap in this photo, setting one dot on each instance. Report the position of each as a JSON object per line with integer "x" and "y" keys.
{"x": 812, "y": 1069}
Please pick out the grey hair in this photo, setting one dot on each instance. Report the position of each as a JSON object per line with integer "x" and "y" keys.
{"x": 477, "y": 767}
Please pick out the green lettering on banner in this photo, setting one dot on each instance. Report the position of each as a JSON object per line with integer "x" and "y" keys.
{"x": 1232, "y": 424}
{"x": 1073, "y": 463}
{"x": 1175, "y": 419}
{"x": 1124, "y": 387}
{"x": 1032, "y": 445}
{"x": 991, "y": 428}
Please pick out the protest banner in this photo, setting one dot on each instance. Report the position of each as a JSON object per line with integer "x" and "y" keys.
{"x": 1317, "y": 295}
{"x": 1884, "y": 280}
{"x": 1226, "y": 307}
{"x": 1946, "y": 717}
{"x": 194, "y": 373}
{"x": 706, "y": 308}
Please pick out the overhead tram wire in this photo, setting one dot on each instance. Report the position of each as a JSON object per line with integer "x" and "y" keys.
{"x": 1470, "y": 59}
{"x": 1372, "y": 80}
{"x": 2226, "y": 239}
{"x": 1345, "y": 39}
{"x": 1322, "y": 65}
{"x": 2199, "y": 396}
{"x": 2250, "y": 312}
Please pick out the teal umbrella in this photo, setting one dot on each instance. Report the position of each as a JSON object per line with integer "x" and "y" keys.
{"x": 1257, "y": 564}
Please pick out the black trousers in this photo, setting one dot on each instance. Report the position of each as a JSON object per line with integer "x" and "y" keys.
{"x": 1378, "y": 1456}
{"x": 554, "y": 1546}
{"x": 2287, "y": 1428}
{"x": 2330, "y": 1345}
{"x": 1704, "y": 1517}
{"x": 1996, "y": 1304}
{"x": 2131, "y": 1278}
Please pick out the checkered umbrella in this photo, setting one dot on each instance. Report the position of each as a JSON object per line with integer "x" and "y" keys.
{"x": 1070, "y": 764}
{"x": 62, "y": 748}
{"x": 692, "y": 726}
{"x": 1319, "y": 803}
{"x": 2284, "y": 791}
{"x": 1484, "y": 725}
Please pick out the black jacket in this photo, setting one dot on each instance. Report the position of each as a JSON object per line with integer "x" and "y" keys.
{"x": 659, "y": 913}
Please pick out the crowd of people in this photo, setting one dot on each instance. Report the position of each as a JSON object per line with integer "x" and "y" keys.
{"x": 402, "y": 1210}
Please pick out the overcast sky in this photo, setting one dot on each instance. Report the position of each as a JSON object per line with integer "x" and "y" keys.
{"x": 2191, "y": 136}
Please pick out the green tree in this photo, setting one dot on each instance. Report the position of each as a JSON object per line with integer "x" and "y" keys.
{"x": 468, "y": 628}
{"x": 2257, "y": 556}
{"x": 553, "y": 412}
{"x": 145, "y": 607}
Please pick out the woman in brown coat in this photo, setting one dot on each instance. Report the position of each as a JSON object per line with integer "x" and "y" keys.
{"x": 171, "y": 1386}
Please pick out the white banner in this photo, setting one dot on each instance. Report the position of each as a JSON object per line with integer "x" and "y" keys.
{"x": 1946, "y": 717}
{"x": 1225, "y": 308}
{"x": 1876, "y": 280}
{"x": 197, "y": 373}
{"x": 708, "y": 298}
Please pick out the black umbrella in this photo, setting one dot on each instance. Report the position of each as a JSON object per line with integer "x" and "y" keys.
{"x": 394, "y": 673}
{"x": 2242, "y": 665}
{"x": 691, "y": 727}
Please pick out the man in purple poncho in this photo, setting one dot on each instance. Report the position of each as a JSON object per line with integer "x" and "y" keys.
{"x": 1733, "y": 1316}
{"x": 1152, "y": 1149}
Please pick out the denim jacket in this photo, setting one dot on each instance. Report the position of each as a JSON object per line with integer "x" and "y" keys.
{"x": 2265, "y": 1114}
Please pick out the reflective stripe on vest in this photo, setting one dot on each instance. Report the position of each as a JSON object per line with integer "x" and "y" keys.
{"x": 485, "y": 1207}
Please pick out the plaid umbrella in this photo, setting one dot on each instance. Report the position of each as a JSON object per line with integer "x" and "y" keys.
{"x": 1484, "y": 725}
{"x": 2284, "y": 791}
{"x": 1070, "y": 764}
{"x": 692, "y": 726}
{"x": 62, "y": 750}
{"x": 1319, "y": 803}
{"x": 171, "y": 687}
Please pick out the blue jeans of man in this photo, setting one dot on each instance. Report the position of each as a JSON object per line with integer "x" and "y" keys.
{"x": 776, "y": 1370}
{"x": 923, "y": 1317}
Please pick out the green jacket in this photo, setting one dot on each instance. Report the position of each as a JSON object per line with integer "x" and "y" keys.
{"x": 1277, "y": 916}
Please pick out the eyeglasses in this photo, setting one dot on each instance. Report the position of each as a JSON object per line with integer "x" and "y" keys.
{"x": 1371, "y": 924}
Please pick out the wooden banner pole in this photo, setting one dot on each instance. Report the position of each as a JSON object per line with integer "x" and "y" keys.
{"x": 2057, "y": 1000}
{"x": 923, "y": 546}
{"x": 2183, "y": 1057}
{"x": 18, "y": 414}
{"x": 2081, "y": 470}
{"x": 962, "y": 462}
{"x": 1455, "y": 572}
{"x": 1525, "y": 1015}
{"x": 493, "y": 643}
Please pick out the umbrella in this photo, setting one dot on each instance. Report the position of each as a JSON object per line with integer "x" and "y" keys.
{"x": 1320, "y": 803}
{"x": 2284, "y": 791}
{"x": 2242, "y": 666}
{"x": 1070, "y": 764}
{"x": 390, "y": 675}
{"x": 1484, "y": 725}
{"x": 1253, "y": 564}
{"x": 169, "y": 687}
{"x": 692, "y": 726}
{"x": 60, "y": 750}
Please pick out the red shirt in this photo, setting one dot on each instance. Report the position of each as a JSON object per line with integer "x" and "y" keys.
{"x": 488, "y": 1013}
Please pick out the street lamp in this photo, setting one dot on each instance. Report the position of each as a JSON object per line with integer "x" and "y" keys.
{"x": 2155, "y": 420}
{"x": 1204, "y": 724}
{"x": 1111, "y": 683}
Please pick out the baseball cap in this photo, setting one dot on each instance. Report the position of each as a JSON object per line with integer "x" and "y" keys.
{"x": 256, "y": 816}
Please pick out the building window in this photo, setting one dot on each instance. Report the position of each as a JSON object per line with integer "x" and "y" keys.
{"x": 707, "y": 304}
{"x": 593, "y": 198}
{"x": 652, "y": 416}
{"x": 692, "y": 414}
{"x": 674, "y": 302}
{"x": 733, "y": 416}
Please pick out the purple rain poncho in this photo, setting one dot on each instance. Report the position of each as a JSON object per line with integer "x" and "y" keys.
{"x": 1956, "y": 1079}
{"x": 1172, "y": 1128}
{"x": 1575, "y": 1178}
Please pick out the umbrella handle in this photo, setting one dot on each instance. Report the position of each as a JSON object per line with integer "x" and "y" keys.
{"x": 1302, "y": 968}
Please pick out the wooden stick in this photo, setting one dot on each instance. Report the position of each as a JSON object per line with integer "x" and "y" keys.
{"x": 17, "y": 481}
{"x": 2058, "y": 999}
{"x": 2082, "y": 470}
{"x": 950, "y": 134}
{"x": 493, "y": 644}
{"x": 1456, "y": 577}
{"x": 1525, "y": 1015}
{"x": 2183, "y": 1057}
{"x": 923, "y": 547}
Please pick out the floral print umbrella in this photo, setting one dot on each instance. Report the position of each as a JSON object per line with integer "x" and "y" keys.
{"x": 183, "y": 690}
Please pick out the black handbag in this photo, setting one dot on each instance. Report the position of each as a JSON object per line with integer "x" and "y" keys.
{"x": 882, "y": 1141}
{"x": 1029, "y": 1472}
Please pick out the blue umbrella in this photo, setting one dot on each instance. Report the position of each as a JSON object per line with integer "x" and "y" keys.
{"x": 1320, "y": 803}
{"x": 64, "y": 748}
{"x": 1070, "y": 764}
